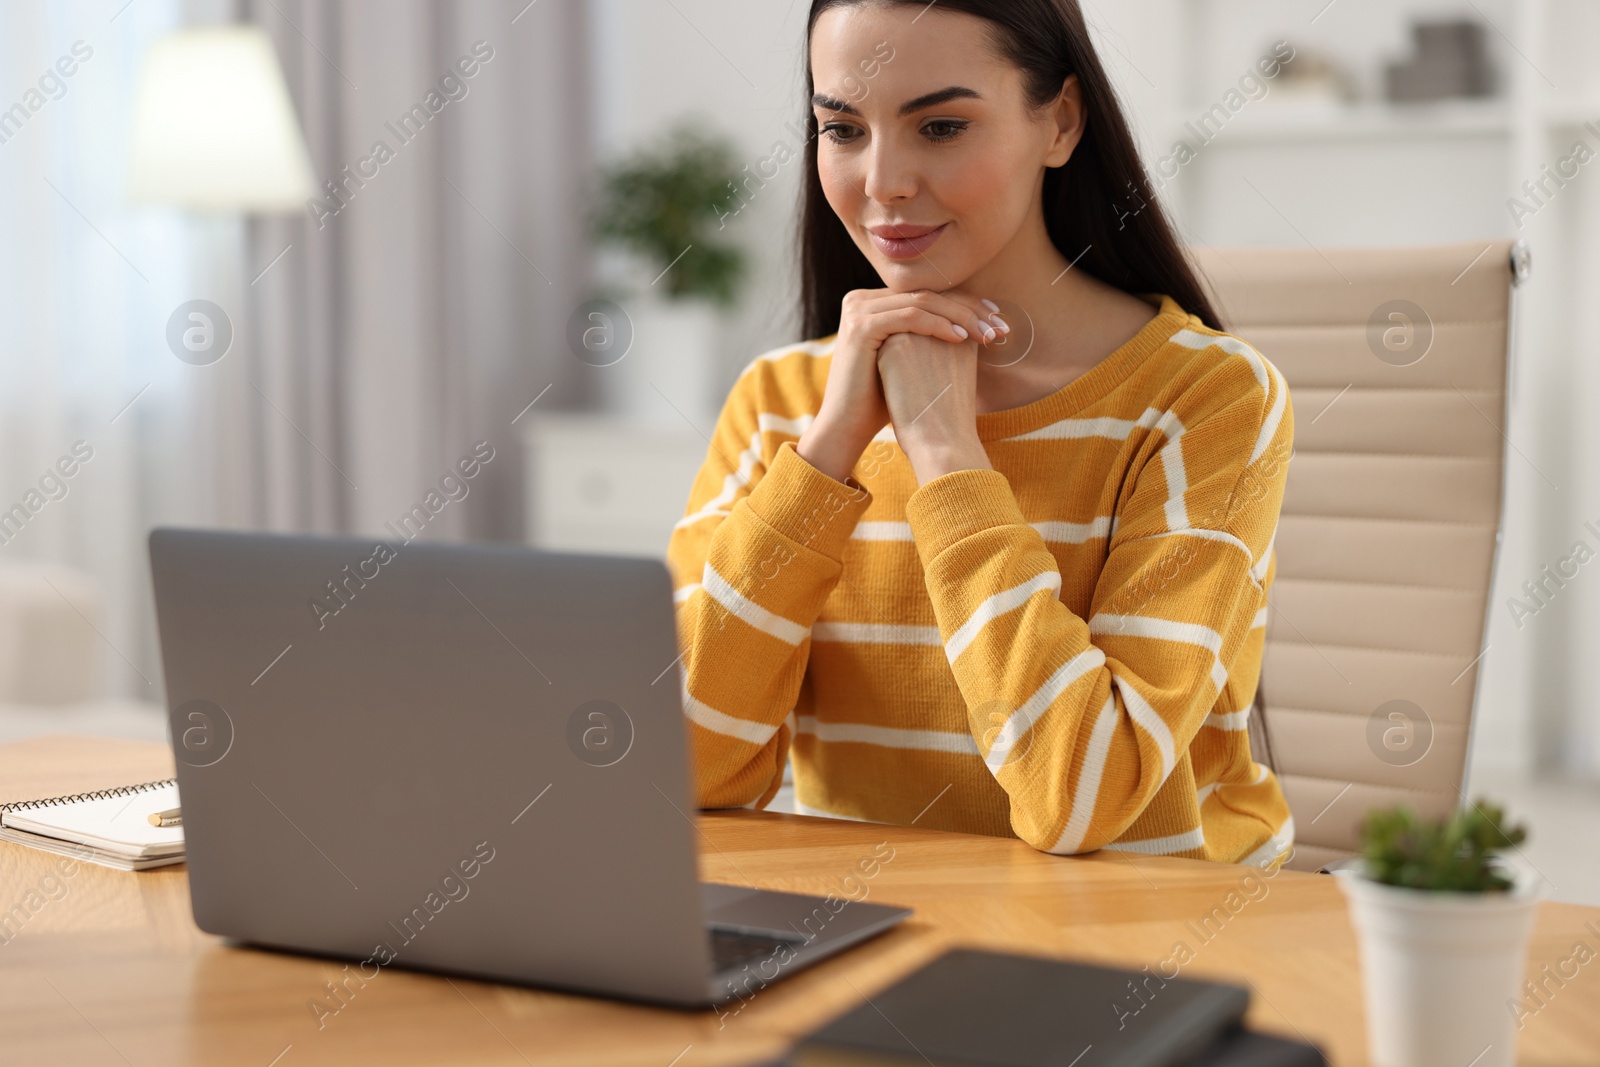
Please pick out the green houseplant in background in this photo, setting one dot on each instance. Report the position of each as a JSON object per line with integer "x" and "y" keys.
{"x": 1443, "y": 925}
{"x": 667, "y": 204}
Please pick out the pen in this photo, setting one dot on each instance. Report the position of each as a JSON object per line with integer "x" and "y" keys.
{"x": 170, "y": 817}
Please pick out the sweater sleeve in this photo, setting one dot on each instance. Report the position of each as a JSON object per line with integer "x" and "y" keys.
{"x": 754, "y": 560}
{"x": 1086, "y": 718}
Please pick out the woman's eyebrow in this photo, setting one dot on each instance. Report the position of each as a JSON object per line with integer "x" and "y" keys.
{"x": 954, "y": 92}
{"x": 828, "y": 103}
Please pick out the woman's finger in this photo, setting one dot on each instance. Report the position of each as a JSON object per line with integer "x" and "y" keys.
{"x": 884, "y": 324}
{"x": 985, "y": 309}
{"x": 967, "y": 312}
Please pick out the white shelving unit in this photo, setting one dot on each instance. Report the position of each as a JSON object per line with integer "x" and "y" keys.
{"x": 1337, "y": 123}
{"x": 607, "y": 485}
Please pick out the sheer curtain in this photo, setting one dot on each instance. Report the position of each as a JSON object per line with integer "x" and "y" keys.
{"x": 378, "y": 336}
{"x": 86, "y": 283}
{"x": 421, "y": 303}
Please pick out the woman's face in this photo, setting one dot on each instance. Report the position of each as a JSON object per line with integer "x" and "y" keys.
{"x": 928, "y": 150}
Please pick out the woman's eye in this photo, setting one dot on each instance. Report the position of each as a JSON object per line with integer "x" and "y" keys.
{"x": 942, "y": 129}
{"x": 839, "y": 132}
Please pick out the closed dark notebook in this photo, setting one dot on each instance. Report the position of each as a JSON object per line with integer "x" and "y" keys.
{"x": 983, "y": 1009}
{"x": 1246, "y": 1048}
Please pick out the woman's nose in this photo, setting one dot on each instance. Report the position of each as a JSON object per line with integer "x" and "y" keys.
{"x": 889, "y": 175}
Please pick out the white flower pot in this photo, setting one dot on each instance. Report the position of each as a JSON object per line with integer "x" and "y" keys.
{"x": 1441, "y": 971}
{"x": 670, "y": 371}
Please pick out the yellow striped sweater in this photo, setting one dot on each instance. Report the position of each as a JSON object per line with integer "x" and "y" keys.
{"x": 1064, "y": 648}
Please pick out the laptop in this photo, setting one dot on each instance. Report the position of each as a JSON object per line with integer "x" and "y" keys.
{"x": 462, "y": 758}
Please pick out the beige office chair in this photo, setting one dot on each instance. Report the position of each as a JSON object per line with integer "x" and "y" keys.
{"x": 1397, "y": 363}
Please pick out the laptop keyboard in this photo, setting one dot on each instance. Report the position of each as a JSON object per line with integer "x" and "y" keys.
{"x": 731, "y": 948}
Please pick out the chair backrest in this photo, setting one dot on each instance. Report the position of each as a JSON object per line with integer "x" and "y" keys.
{"x": 1397, "y": 364}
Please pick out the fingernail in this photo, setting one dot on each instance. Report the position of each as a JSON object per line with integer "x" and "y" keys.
{"x": 988, "y": 332}
{"x": 1001, "y": 324}
{"x": 991, "y": 305}
{"x": 960, "y": 332}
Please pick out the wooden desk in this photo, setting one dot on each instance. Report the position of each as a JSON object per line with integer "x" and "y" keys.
{"x": 113, "y": 970}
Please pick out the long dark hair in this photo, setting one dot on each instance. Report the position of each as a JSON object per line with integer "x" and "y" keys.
{"x": 1092, "y": 203}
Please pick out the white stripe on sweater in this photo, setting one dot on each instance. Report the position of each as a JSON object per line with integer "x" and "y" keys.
{"x": 1272, "y": 384}
{"x": 1177, "y": 513}
{"x": 1267, "y": 377}
{"x": 757, "y": 733}
{"x": 748, "y": 459}
{"x": 1086, "y": 792}
{"x": 1074, "y": 533}
{"x": 1261, "y": 618}
{"x": 1021, "y": 721}
{"x": 1269, "y": 429}
{"x": 1189, "y": 633}
{"x": 862, "y": 733}
{"x": 1259, "y": 571}
{"x": 1163, "y": 846}
{"x": 1220, "y": 536}
{"x": 1232, "y": 721}
{"x": 882, "y": 531}
{"x": 1104, "y": 426}
{"x": 1066, "y": 533}
{"x": 876, "y": 633}
{"x": 1206, "y": 790}
{"x": 1145, "y": 717}
{"x": 718, "y": 588}
{"x": 999, "y": 604}
{"x": 731, "y": 484}
{"x": 683, "y": 593}
{"x": 1275, "y": 846}
{"x": 1219, "y": 674}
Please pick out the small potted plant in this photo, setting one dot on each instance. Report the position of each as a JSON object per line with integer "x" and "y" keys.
{"x": 1443, "y": 925}
{"x": 668, "y": 204}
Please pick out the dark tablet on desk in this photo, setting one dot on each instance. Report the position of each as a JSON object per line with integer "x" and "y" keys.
{"x": 983, "y": 1009}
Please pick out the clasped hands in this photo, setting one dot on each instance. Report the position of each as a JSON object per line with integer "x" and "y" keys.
{"x": 910, "y": 359}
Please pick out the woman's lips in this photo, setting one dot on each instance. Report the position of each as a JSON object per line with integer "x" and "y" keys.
{"x": 905, "y": 242}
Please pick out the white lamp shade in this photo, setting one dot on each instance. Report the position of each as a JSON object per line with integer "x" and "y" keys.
{"x": 213, "y": 126}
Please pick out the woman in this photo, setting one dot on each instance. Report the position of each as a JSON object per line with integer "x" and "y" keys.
{"x": 993, "y": 555}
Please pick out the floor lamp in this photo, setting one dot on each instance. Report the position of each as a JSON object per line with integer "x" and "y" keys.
{"x": 215, "y": 134}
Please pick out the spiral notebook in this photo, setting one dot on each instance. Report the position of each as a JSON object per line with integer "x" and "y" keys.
{"x": 110, "y": 827}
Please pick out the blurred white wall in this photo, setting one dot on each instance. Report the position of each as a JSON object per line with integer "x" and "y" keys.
{"x": 737, "y": 68}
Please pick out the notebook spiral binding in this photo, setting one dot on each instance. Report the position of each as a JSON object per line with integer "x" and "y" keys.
{"x": 95, "y": 794}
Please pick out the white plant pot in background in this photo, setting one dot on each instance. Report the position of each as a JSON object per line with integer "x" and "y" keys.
{"x": 670, "y": 371}
{"x": 1440, "y": 971}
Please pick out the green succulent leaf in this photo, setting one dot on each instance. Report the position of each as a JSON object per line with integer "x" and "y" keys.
{"x": 1454, "y": 854}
